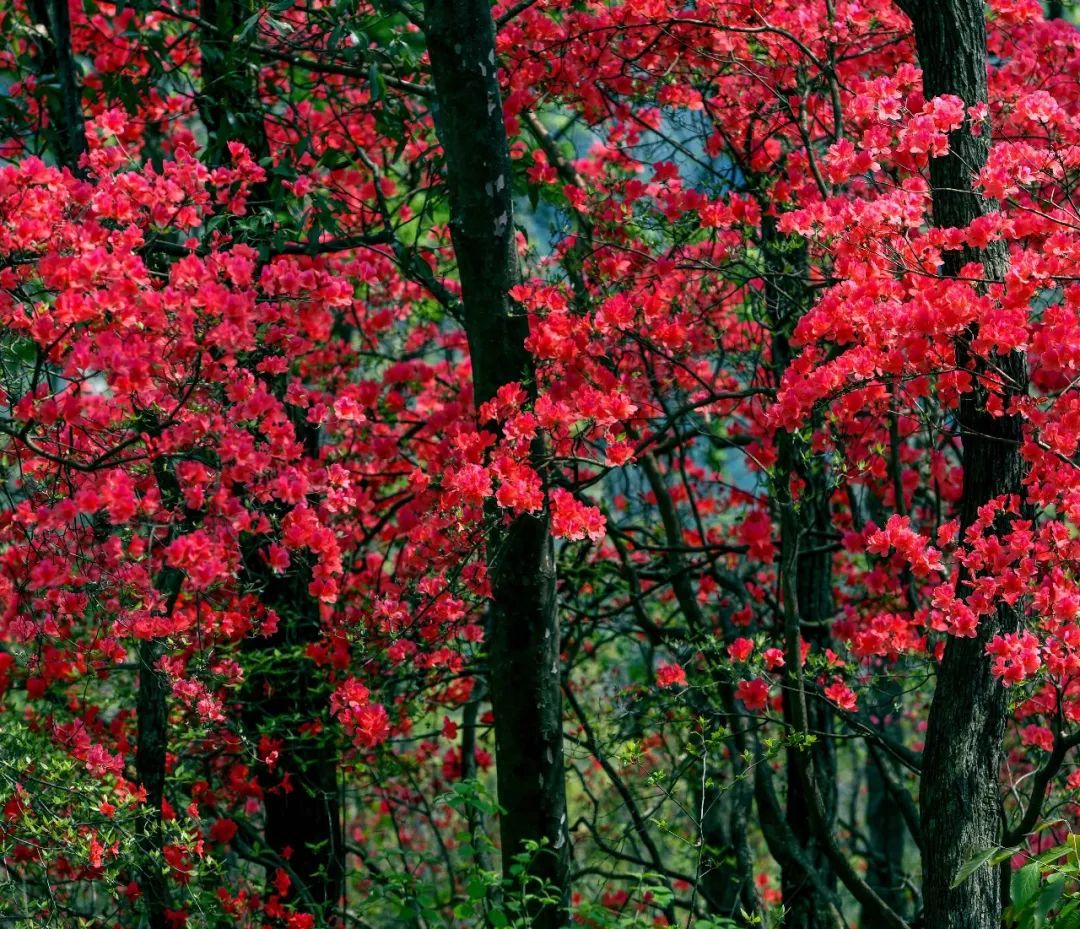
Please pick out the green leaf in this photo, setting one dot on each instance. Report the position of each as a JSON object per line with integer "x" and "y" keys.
{"x": 972, "y": 865}
{"x": 1069, "y": 917}
{"x": 1050, "y": 856}
{"x": 248, "y": 25}
{"x": 1004, "y": 854}
{"x": 661, "y": 895}
{"x": 1048, "y": 898}
{"x": 1025, "y": 884}
{"x": 378, "y": 84}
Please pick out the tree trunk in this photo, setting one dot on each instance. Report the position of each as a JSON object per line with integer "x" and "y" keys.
{"x": 727, "y": 874}
{"x": 229, "y": 99}
{"x": 884, "y": 819}
{"x": 56, "y": 60}
{"x": 959, "y": 790}
{"x": 286, "y": 691}
{"x": 523, "y": 648}
{"x": 152, "y": 715}
{"x": 805, "y": 908}
{"x": 787, "y": 298}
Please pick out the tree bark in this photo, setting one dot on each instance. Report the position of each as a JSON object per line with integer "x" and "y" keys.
{"x": 884, "y": 818}
{"x": 288, "y": 691}
{"x": 152, "y": 716}
{"x": 787, "y": 298}
{"x": 57, "y": 61}
{"x": 524, "y": 644}
{"x": 285, "y": 690}
{"x": 229, "y": 99}
{"x": 805, "y": 908}
{"x": 959, "y": 790}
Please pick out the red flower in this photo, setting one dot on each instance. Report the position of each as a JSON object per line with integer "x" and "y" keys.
{"x": 840, "y": 694}
{"x": 740, "y": 649}
{"x": 670, "y": 675}
{"x": 223, "y": 831}
{"x": 754, "y": 694}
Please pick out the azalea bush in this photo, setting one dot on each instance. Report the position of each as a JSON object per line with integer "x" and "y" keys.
{"x": 542, "y": 463}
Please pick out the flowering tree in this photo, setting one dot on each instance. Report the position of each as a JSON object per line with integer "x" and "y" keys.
{"x": 654, "y": 430}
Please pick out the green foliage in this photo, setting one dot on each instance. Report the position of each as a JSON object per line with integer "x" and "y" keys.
{"x": 1045, "y": 892}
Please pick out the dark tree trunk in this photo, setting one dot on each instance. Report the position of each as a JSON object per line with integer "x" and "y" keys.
{"x": 885, "y": 824}
{"x": 787, "y": 298}
{"x": 805, "y": 908}
{"x": 523, "y": 647}
{"x": 959, "y": 791}
{"x": 152, "y": 716}
{"x": 727, "y": 876}
{"x": 56, "y": 61}
{"x": 229, "y": 99}
{"x": 719, "y": 881}
{"x": 285, "y": 691}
